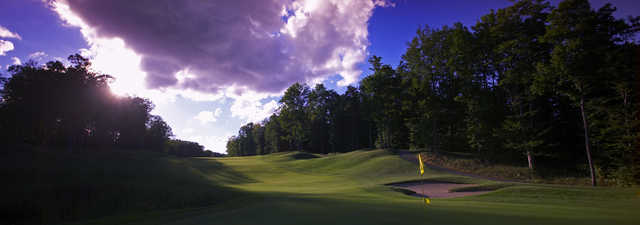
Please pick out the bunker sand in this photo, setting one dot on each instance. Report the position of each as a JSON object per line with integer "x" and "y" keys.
{"x": 437, "y": 189}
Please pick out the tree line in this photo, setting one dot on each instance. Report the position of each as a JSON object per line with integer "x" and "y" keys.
{"x": 72, "y": 107}
{"x": 532, "y": 84}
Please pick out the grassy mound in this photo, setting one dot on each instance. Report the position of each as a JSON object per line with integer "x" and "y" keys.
{"x": 286, "y": 156}
{"x": 370, "y": 165}
{"x": 49, "y": 187}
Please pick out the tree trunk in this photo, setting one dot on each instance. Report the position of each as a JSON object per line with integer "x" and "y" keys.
{"x": 627, "y": 114}
{"x": 387, "y": 132}
{"x": 586, "y": 142}
{"x": 370, "y": 136}
{"x": 385, "y": 136}
{"x": 529, "y": 156}
{"x": 532, "y": 127}
{"x": 530, "y": 160}
{"x": 434, "y": 134}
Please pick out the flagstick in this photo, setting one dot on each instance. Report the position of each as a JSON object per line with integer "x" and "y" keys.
{"x": 422, "y": 181}
{"x": 420, "y": 178}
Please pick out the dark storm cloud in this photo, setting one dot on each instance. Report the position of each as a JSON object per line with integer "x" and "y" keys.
{"x": 240, "y": 42}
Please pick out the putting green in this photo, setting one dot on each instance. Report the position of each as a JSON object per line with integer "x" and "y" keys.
{"x": 348, "y": 188}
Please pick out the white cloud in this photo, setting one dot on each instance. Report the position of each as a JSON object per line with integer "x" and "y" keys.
{"x": 5, "y": 46}
{"x": 62, "y": 60}
{"x": 112, "y": 56}
{"x": 16, "y": 61}
{"x": 37, "y": 55}
{"x": 216, "y": 143}
{"x": 187, "y": 131}
{"x": 263, "y": 46}
{"x": 316, "y": 40}
{"x": 316, "y": 26}
{"x": 6, "y": 33}
{"x": 252, "y": 110}
{"x": 383, "y": 3}
{"x": 208, "y": 116}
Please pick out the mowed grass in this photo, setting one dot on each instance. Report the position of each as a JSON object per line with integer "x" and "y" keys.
{"x": 53, "y": 186}
{"x": 299, "y": 188}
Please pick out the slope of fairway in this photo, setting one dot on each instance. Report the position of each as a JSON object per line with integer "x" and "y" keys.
{"x": 349, "y": 189}
{"x": 53, "y": 186}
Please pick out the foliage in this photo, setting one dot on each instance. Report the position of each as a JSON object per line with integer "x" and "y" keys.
{"x": 72, "y": 107}
{"x": 529, "y": 83}
{"x": 187, "y": 149}
{"x": 316, "y": 120}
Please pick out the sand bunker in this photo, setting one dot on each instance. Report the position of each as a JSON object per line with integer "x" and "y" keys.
{"x": 437, "y": 190}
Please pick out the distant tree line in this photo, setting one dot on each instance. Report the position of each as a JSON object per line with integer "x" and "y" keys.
{"x": 71, "y": 107}
{"x": 547, "y": 86}
{"x": 314, "y": 120}
{"x": 183, "y": 148}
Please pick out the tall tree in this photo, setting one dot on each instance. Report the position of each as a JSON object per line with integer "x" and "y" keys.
{"x": 380, "y": 89}
{"x": 274, "y": 135}
{"x": 72, "y": 106}
{"x": 580, "y": 35}
{"x": 258, "y": 134}
{"x": 292, "y": 111}
{"x": 157, "y": 134}
{"x": 320, "y": 115}
{"x": 519, "y": 28}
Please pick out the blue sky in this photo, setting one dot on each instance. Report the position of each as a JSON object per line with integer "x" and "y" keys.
{"x": 232, "y": 78}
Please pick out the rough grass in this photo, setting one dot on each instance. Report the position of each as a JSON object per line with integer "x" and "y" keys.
{"x": 468, "y": 164}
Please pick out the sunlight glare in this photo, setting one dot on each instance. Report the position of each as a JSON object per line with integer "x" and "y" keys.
{"x": 111, "y": 56}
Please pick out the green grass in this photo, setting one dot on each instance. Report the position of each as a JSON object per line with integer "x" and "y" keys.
{"x": 54, "y": 186}
{"x": 350, "y": 188}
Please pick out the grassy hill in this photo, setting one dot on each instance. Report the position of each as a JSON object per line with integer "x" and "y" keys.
{"x": 348, "y": 188}
{"x": 52, "y": 186}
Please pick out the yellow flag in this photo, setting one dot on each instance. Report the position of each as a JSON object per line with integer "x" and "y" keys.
{"x": 427, "y": 201}
{"x": 421, "y": 165}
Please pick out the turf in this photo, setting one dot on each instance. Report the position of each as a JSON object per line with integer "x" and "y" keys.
{"x": 290, "y": 188}
{"x": 54, "y": 186}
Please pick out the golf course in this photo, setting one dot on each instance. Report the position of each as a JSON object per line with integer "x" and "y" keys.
{"x": 319, "y": 112}
{"x": 349, "y": 188}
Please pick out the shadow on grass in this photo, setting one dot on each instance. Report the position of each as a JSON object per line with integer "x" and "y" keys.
{"x": 303, "y": 155}
{"x": 54, "y": 187}
{"x": 287, "y": 208}
{"x": 218, "y": 172}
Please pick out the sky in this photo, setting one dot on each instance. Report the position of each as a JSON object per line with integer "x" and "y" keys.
{"x": 212, "y": 66}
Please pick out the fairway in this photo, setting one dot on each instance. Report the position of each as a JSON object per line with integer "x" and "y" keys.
{"x": 348, "y": 188}
{"x": 319, "y": 112}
